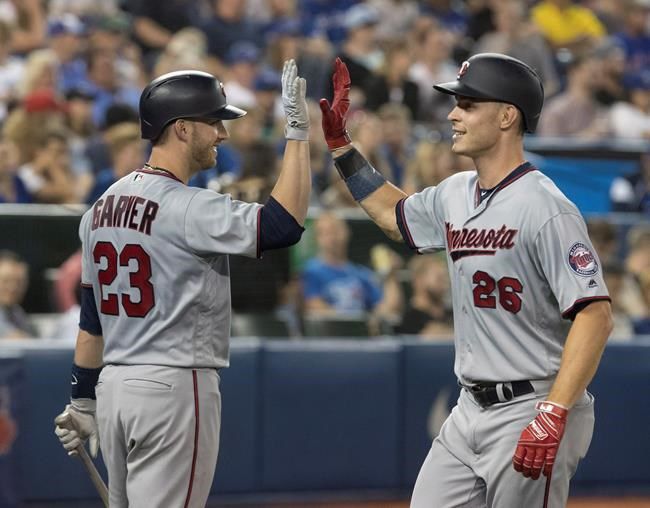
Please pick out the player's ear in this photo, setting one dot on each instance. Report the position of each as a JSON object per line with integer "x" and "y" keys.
{"x": 182, "y": 129}
{"x": 509, "y": 117}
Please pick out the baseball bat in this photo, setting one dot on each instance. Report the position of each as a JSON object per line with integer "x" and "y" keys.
{"x": 95, "y": 477}
{"x": 88, "y": 463}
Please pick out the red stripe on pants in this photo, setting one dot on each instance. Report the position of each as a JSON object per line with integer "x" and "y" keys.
{"x": 196, "y": 438}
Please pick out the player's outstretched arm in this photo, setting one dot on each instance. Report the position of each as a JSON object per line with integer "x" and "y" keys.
{"x": 369, "y": 188}
{"x": 294, "y": 183}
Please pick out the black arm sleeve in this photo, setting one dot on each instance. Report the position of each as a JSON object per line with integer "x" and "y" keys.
{"x": 278, "y": 228}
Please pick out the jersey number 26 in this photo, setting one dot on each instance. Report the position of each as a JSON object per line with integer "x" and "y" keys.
{"x": 138, "y": 279}
{"x": 508, "y": 289}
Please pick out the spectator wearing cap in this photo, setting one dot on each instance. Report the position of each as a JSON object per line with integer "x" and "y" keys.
{"x": 635, "y": 36}
{"x": 12, "y": 188}
{"x": 360, "y": 51}
{"x": 631, "y": 119}
{"x": 565, "y": 24}
{"x": 575, "y": 112}
{"x": 66, "y": 37}
{"x": 112, "y": 33}
{"x": 97, "y": 148}
{"x": 228, "y": 25}
{"x": 39, "y": 111}
{"x": 48, "y": 176}
{"x": 243, "y": 59}
{"x": 11, "y": 71}
{"x": 267, "y": 88}
{"x": 104, "y": 82}
{"x": 127, "y": 154}
{"x": 285, "y": 39}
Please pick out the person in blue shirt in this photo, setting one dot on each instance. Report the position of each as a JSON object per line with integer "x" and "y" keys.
{"x": 127, "y": 153}
{"x": 12, "y": 188}
{"x": 333, "y": 285}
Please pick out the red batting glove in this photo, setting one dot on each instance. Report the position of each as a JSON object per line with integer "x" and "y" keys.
{"x": 334, "y": 117}
{"x": 538, "y": 443}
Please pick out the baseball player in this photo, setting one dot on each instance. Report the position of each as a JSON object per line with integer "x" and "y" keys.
{"x": 531, "y": 310}
{"x": 155, "y": 310}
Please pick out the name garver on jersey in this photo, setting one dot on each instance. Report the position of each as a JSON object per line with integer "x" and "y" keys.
{"x": 133, "y": 212}
{"x": 478, "y": 242}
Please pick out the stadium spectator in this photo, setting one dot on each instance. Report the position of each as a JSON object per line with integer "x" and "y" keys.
{"x": 631, "y": 118}
{"x": 285, "y": 40}
{"x": 11, "y": 72}
{"x": 39, "y": 112}
{"x": 66, "y": 38}
{"x": 48, "y": 176}
{"x": 29, "y": 25}
{"x": 635, "y": 36}
{"x": 575, "y": 112}
{"x": 448, "y": 13}
{"x": 603, "y": 237}
{"x": 187, "y": 49}
{"x": 79, "y": 104}
{"x": 615, "y": 280}
{"x": 566, "y": 24}
{"x": 515, "y": 36}
{"x": 227, "y": 25}
{"x": 41, "y": 72}
{"x": 397, "y": 146}
{"x": 391, "y": 83}
{"x": 127, "y": 154}
{"x": 155, "y": 22}
{"x": 431, "y": 163}
{"x": 104, "y": 83}
{"x": 632, "y": 193}
{"x": 608, "y": 81}
{"x": 12, "y": 188}
{"x": 433, "y": 64}
{"x": 14, "y": 278}
{"x": 360, "y": 51}
{"x": 243, "y": 58}
{"x": 396, "y": 18}
{"x": 428, "y": 312}
{"x": 333, "y": 285}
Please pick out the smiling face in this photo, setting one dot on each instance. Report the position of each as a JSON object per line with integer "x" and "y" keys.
{"x": 206, "y": 135}
{"x": 478, "y": 125}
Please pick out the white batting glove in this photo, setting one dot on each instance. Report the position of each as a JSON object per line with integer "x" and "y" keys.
{"x": 294, "y": 102}
{"x": 76, "y": 424}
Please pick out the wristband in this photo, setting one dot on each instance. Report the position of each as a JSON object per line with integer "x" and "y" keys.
{"x": 83, "y": 382}
{"x": 357, "y": 173}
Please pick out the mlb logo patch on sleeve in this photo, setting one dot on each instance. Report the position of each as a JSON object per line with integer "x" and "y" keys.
{"x": 582, "y": 261}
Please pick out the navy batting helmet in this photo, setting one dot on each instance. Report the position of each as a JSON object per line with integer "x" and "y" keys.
{"x": 502, "y": 79}
{"x": 183, "y": 94}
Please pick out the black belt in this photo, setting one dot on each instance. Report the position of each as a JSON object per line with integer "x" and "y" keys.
{"x": 485, "y": 394}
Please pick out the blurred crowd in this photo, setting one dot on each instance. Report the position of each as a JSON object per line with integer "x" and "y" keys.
{"x": 71, "y": 72}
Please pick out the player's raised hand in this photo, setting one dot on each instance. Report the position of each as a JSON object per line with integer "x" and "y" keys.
{"x": 294, "y": 102}
{"x": 538, "y": 443}
{"x": 334, "y": 116}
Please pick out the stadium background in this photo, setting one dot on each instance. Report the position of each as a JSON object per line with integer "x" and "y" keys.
{"x": 310, "y": 419}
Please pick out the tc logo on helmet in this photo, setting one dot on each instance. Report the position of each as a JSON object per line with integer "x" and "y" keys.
{"x": 582, "y": 261}
{"x": 463, "y": 69}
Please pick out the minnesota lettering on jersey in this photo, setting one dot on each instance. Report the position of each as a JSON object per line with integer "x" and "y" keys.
{"x": 133, "y": 212}
{"x": 478, "y": 242}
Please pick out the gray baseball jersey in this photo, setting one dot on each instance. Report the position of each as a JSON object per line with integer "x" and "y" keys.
{"x": 155, "y": 252}
{"x": 520, "y": 263}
